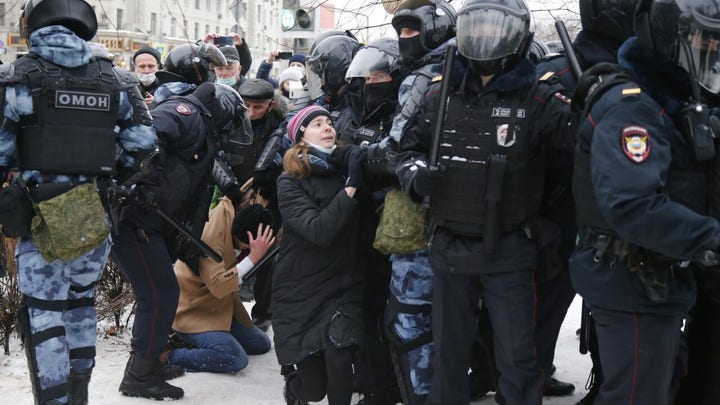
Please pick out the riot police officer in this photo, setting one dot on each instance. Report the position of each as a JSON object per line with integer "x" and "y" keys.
{"x": 606, "y": 24}
{"x": 485, "y": 197}
{"x": 185, "y": 67}
{"x": 191, "y": 131}
{"x": 327, "y": 64}
{"x": 62, "y": 135}
{"x": 647, "y": 125}
{"x": 423, "y": 29}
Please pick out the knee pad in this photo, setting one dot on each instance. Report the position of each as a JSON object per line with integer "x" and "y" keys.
{"x": 32, "y": 340}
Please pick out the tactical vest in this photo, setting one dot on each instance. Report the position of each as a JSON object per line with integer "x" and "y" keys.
{"x": 476, "y": 132}
{"x": 687, "y": 186}
{"x": 71, "y": 130}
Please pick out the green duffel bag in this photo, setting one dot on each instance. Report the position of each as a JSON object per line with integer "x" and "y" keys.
{"x": 403, "y": 225}
{"x": 70, "y": 224}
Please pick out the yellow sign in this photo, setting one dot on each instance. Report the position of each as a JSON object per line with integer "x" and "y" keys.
{"x": 113, "y": 43}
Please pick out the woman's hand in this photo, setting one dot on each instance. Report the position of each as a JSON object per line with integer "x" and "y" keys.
{"x": 259, "y": 246}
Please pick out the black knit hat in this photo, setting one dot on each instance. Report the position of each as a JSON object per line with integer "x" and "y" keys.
{"x": 248, "y": 219}
{"x": 149, "y": 50}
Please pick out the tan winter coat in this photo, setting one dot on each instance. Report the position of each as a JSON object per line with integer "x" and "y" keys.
{"x": 208, "y": 302}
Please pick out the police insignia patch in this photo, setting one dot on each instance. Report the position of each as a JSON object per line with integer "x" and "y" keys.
{"x": 502, "y": 136}
{"x": 183, "y": 109}
{"x": 636, "y": 143}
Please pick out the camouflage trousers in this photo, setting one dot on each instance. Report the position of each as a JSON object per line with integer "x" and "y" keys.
{"x": 60, "y": 281}
{"x": 411, "y": 284}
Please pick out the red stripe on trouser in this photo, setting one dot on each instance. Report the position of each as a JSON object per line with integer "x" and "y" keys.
{"x": 155, "y": 299}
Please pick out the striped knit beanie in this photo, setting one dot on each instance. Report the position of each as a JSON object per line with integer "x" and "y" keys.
{"x": 298, "y": 123}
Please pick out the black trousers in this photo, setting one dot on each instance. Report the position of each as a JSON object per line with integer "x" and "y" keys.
{"x": 553, "y": 300}
{"x": 510, "y": 300}
{"x": 638, "y": 353}
{"x": 147, "y": 265}
{"x": 326, "y": 373}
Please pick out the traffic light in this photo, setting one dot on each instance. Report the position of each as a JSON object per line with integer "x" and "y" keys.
{"x": 294, "y": 17}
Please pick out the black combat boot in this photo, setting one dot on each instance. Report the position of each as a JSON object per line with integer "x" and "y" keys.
{"x": 78, "y": 391}
{"x": 287, "y": 393}
{"x": 142, "y": 379}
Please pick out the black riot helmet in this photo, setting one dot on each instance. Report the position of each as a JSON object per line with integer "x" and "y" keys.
{"x": 611, "y": 19}
{"x": 193, "y": 62}
{"x": 229, "y": 113}
{"x": 327, "y": 34}
{"x": 328, "y": 63}
{"x": 75, "y": 15}
{"x": 538, "y": 50}
{"x": 685, "y": 33}
{"x": 435, "y": 22}
{"x": 493, "y": 34}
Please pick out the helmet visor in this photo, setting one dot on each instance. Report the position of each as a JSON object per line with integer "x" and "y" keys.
{"x": 370, "y": 61}
{"x": 486, "y": 34}
{"x": 211, "y": 54}
{"x": 240, "y": 131}
{"x": 704, "y": 55}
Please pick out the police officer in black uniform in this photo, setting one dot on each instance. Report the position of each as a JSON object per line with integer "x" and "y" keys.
{"x": 191, "y": 131}
{"x": 640, "y": 183}
{"x": 485, "y": 197}
{"x": 606, "y": 24}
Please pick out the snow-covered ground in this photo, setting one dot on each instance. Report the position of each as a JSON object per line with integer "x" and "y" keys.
{"x": 259, "y": 384}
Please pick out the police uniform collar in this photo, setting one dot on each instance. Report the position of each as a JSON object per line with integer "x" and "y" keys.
{"x": 667, "y": 84}
{"x": 522, "y": 75}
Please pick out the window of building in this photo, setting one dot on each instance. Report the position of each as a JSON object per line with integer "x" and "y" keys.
{"x": 207, "y": 28}
{"x": 153, "y": 23}
{"x": 197, "y": 4}
{"x": 207, "y": 5}
{"x": 173, "y": 27}
{"x": 197, "y": 30}
{"x": 218, "y": 6}
{"x": 119, "y": 19}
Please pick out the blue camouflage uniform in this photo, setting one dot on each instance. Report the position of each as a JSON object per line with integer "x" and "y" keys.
{"x": 637, "y": 196}
{"x": 73, "y": 280}
{"x": 411, "y": 280}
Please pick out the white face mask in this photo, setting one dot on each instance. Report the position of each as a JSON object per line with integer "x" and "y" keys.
{"x": 322, "y": 149}
{"x": 146, "y": 78}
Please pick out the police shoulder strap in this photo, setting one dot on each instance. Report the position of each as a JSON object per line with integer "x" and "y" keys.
{"x": 597, "y": 80}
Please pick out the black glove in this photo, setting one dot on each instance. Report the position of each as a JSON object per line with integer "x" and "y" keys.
{"x": 341, "y": 155}
{"x": 145, "y": 197}
{"x": 356, "y": 163}
{"x": 426, "y": 180}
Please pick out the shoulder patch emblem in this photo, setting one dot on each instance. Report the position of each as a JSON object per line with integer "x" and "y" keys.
{"x": 183, "y": 109}
{"x": 546, "y": 76}
{"x": 636, "y": 143}
{"x": 565, "y": 99}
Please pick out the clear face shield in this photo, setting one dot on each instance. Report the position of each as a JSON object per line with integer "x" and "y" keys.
{"x": 368, "y": 62}
{"x": 315, "y": 71}
{"x": 485, "y": 34}
{"x": 700, "y": 53}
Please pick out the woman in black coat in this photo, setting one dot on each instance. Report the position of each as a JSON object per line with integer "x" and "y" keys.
{"x": 317, "y": 287}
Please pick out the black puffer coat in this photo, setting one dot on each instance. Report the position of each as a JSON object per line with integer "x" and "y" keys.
{"x": 317, "y": 287}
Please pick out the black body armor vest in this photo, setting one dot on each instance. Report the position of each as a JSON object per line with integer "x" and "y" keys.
{"x": 477, "y": 132}
{"x": 71, "y": 130}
